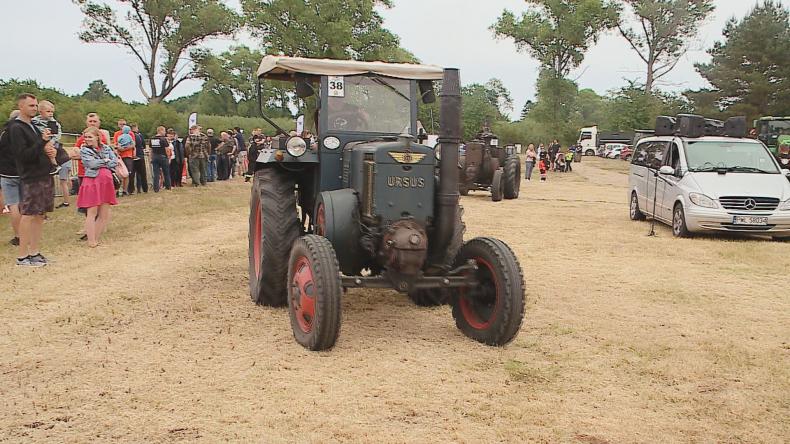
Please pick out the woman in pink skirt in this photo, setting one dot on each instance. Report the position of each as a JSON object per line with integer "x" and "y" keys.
{"x": 97, "y": 191}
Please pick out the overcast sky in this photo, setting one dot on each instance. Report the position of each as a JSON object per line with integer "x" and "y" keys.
{"x": 40, "y": 42}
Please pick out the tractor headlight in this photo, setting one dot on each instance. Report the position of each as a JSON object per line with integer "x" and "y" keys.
{"x": 702, "y": 200}
{"x": 296, "y": 146}
{"x": 332, "y": 143}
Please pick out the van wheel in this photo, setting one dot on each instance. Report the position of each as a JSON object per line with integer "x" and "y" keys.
{"x": 589, "y": 153}
{"x": 679, "y": 222}
{"x": 635, "y": 213}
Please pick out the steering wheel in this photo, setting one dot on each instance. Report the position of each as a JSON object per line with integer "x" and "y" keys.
{"x": 339, "y": 123}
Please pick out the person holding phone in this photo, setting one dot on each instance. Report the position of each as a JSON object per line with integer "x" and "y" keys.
{"x": 97, "y": 191}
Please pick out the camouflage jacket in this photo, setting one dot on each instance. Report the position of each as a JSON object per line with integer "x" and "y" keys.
{"x": 197, "y": 146}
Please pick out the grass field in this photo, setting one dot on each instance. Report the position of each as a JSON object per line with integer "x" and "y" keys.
{"x": 627, "y": 338}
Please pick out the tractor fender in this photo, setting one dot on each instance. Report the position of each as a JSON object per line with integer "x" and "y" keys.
{"x": 337, "y": 218}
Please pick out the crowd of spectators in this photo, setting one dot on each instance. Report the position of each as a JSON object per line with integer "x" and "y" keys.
{"x": 549, "y": 159}
{"x": 108, "y": 167}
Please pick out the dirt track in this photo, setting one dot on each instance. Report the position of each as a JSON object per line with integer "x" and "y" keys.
{"x": 153, "y": 336}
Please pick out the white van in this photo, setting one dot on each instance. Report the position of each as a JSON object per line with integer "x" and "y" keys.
{"x": 710, "y": 183}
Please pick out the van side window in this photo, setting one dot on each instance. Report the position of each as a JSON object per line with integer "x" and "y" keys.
{"x": 655, "y": 155}
{"x": 640, "y": 154}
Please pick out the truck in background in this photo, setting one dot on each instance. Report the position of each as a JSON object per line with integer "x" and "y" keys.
{"x": 590, "y": 139}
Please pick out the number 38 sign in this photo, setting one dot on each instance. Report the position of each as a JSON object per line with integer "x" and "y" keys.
{"x": 336, "y": 86}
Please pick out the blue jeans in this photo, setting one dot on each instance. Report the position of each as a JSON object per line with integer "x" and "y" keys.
{"x": 212, "y": 168}
{"x": 159, "y": 167}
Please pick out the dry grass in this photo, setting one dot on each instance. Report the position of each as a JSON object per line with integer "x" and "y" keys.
{"x": 627, "y": 338}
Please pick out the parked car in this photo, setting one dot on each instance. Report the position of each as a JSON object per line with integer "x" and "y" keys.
{"x": 612, "y": 150}
{"x": 627, "y": 152}
{"x": 709, "y": 184}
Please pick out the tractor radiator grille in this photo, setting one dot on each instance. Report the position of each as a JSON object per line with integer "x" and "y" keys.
{"x": 369, "y": 172}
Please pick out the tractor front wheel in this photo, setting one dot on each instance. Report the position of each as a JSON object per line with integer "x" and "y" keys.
{"x": 273, "y": 228}
{"x": 490, "y": 312}
{"x": 512, "y": 177}
{"x": 314, "y": 290}
{"x": 497, "y": 186}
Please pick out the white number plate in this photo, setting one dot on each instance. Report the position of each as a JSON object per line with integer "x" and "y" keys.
{"x": 750, "y": 220}
{"x": 336, "y": 86}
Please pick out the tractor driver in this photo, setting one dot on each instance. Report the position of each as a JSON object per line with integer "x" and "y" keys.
{"x": 346, "y": 116}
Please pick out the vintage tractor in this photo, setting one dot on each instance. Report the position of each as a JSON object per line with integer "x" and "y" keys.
{"x": 363, "y": 206}
{"x": 487, "y": 166}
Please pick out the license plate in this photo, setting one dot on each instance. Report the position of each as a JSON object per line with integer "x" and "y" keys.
{"x": 750, "y": 220}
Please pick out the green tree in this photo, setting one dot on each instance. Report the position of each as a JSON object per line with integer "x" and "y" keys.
{"x": 630, "y": 107}
{"x": 338, "y": 29}
{"x": 234, "y": 73}
{"x": 98, "y": 90}
{"x": 557, "y": 32}
{"x": 477, "y": 110}
{"x": 159, "y": 33}
{"x": 526, "y": 109}
{"x": 663, "y": 32}
{"x": 499, "y": 96}
{"x": 555, "y": 106}
{"x": 750, "y": 69}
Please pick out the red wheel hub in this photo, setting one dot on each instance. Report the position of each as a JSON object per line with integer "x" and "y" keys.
{"x": 480, "y": 304}
{"x": 303, "y": 294}
{"x": 257, "y": 237}
{"x": 320, "y": 221}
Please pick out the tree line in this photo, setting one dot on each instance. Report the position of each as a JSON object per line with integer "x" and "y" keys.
{"x": 749, "y": 70}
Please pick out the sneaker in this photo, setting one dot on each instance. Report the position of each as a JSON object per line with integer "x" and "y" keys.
{"x": 62, "y": 205}
{"x": 54, "y": 169}
{"x": 26, "y": 262}
{"x": 6, "y": 210}
{"x": 14, "y": 241}
{"x": 38, "y": 258}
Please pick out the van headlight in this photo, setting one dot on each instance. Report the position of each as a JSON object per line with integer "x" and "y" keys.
{"x": 437, "y": 150}
{"x": 702, "y": 200}
{"x": 296, "y": 146}
{"x": 785, "y": 205}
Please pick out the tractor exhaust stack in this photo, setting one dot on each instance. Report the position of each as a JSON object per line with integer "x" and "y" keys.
{"x": 449, "y": 140}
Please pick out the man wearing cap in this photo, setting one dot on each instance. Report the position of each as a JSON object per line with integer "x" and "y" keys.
{"x": 197, "y": 149}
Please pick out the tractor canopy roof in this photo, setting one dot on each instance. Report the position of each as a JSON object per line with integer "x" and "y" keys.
{"x": 284, "y": 68}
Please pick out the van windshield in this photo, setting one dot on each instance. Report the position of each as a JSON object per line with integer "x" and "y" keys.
{"x": 737, "y": 157}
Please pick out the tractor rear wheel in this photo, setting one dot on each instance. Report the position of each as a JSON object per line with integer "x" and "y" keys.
{"x": 497, "y": 186}
{"x": 273, "y": 228}
{"x": 432, "y": 297}
{"x": 512, "y": 177}
{"x": 492, "y": 311}
{"x": 314, "y": 291}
